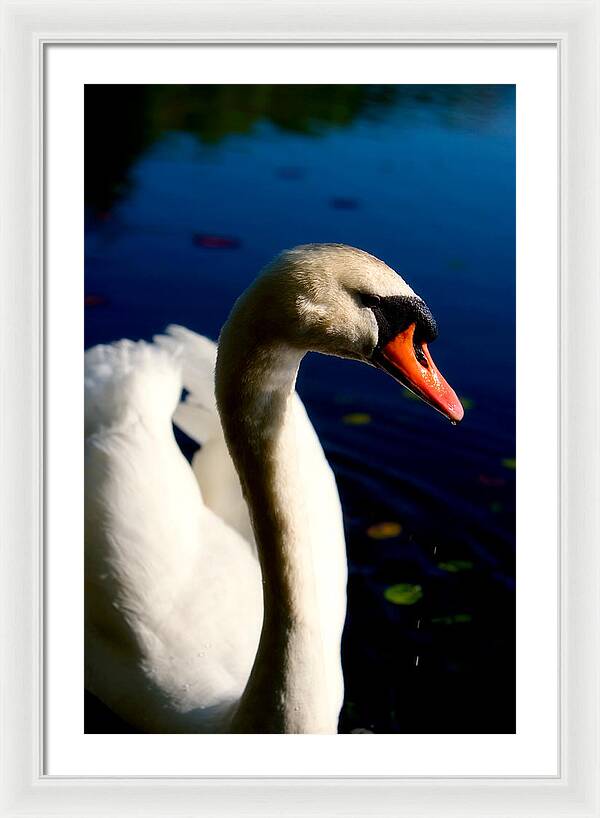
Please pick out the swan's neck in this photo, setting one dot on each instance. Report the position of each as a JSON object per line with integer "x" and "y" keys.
{"x": 287, "y": 688}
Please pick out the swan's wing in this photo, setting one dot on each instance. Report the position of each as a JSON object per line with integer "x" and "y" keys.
{"x": 173, "y": 595}
{"x": 129, "y": 382}
{"x": 219, "y": 483}
{"x": 197, "y": 416}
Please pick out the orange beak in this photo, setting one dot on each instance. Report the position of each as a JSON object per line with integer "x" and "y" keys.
{"x": 412, "y": 365}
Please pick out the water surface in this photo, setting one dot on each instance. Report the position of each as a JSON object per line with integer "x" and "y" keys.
{"x": 190, "y": 190}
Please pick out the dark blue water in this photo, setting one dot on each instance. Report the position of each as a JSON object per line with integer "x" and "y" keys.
{"x": 191, "y": 190}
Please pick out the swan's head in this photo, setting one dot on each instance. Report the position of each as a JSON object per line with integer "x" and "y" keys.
{"x": 338, "y": 300}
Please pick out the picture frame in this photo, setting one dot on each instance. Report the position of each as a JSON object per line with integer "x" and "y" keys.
{"x": 27, "y": 28}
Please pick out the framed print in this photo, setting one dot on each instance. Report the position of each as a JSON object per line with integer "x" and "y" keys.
{"x": 442, "y": 595}
{"x": 300, "y": 590}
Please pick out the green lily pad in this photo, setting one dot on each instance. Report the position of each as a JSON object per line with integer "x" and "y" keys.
{"x": 509, "y": 463}
{"x": 453, "y": 619}
{"x": 454, "y": 566}
{"x": 356, "y": 419}
{"x": 403, "y": 594}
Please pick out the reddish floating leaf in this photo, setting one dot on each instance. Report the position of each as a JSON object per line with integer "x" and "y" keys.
{"x": 94, "y": 300}
{"x": 492, "y": 482}
{"x": 290, "y": 173}
{"x": 213, "y": 242}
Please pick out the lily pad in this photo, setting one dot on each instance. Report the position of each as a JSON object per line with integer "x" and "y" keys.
{"x": 454, "y": 566}
{"x": 344, "y": 203}
{"x": 403, "y": 594}
{"x": 452, "y": 619}
{"x": 384, "y": 531}
{"x": 95, "y": 300}
{"x": 491, "y": 481}
{"x": 356, "y": 419}
{"x": 290, "y": 172}
{"x": 211, "y": 241}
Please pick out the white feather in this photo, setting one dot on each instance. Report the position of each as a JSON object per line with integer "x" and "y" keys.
{"x": 173, "y": 585}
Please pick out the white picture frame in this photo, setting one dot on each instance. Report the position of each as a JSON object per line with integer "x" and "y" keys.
{"x": 27, "y": 28}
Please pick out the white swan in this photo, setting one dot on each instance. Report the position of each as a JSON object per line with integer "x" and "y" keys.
{"x": 176, "y": 640}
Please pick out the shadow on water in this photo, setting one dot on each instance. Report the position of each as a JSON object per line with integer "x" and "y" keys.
{"x": 190, "y": 190}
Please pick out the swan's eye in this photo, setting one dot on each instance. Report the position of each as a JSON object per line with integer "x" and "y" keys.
{"x": 368, "y": 300}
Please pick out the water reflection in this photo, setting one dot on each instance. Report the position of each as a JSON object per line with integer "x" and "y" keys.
{"x": 190, "y": 190}
{"x": 123, "y": 120}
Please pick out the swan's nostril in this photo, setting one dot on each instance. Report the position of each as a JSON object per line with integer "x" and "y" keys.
{"x": 420, "y": 356}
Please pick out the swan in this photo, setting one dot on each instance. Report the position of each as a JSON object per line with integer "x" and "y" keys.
{"x": 215, "y": 595}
